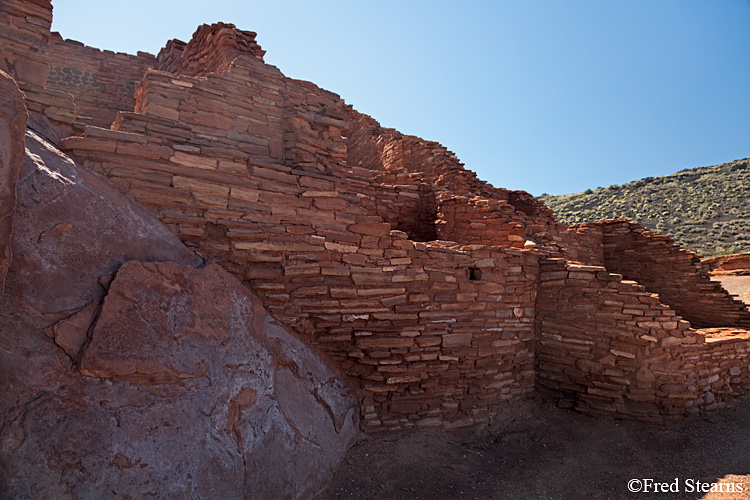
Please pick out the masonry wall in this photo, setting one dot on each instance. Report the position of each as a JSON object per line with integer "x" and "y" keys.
{"x": 101, "y": 81}
{"x": 431, "y": 333}
{"x": 212, "y": 49}
{"x": 583, "y": 243}
{"x": 595, "y": 334}
{"x": 609, "y": 347}
{"x": 480, "y": 221}
{"x": 675, "y": 273}
{"x": 468, "y": 209}
{"x": 716, "y": 372}
{"x": 410, "y": 208}
{"x": 427, "y": 344}
{"x": 24, "y": 55}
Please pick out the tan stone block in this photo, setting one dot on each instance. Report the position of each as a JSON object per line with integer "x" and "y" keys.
{"x": 622, "y": 354}
{"x": 671, "y": 341}
{"x": 195, "y": 185}
{"x": 320, "y": 194}
{"x": 243, "y": 194}
{"x": 193, "y": 161}
{"x": 336, "y": 247}
{"x": 343, "y": 293}
{"x": 406, "y": 379}
{"x": 370, "y": 292}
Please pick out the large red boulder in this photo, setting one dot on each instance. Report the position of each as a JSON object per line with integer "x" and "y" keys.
{"x": 13, "y": 117}
{"x": 71, "y": 228}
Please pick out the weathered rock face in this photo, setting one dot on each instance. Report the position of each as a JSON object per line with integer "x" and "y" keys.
{"x": 12, "y": 128}
{"x": 164, "y": 380}
{"x": 71, "y": 228}
{"x": 738, "y": 263}
{"x": 192, "y": 391}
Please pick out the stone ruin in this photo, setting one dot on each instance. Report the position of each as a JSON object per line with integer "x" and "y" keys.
{"x": 422, "y": 296}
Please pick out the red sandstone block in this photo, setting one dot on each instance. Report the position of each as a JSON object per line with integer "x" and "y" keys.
{"x": 406, "y": 379}
{"x": 278, "y": 175}
{"x": 370, "y": 279}
{"x": 149, "y": 151}
{"x": 89, "y": 144}
{"x": 371, "y": 229}
{"x": 384, "y": 343}
{"x": 456, "y": 339}
{"x": 393, "y": 301}
{"x": 193, "y": 161}
{"x": 336, "y": 247}
{"x": 302, "y": 270}
{"x": 368, "y": 292}
{"x": 335, "y": 271}
{"x": 197, "y": 186}
{"x": 418, "y": 297}
{"x": 205, "y": 119}
{"x": 328, "y": 203}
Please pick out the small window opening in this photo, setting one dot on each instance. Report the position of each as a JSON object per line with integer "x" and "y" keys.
{"x": 475, "y": 274}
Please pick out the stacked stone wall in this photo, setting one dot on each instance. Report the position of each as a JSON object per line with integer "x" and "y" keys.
{"x": 595, "y": 331}
{"x": 469, "y": 209}
{"x": 101, "y": 81}
{"x": 218, "y": 115}
{"x": 212, "y": 49}
{"x": 716, "y": 372}
{"x": 25, "y": 32}
{"x": 480, "y": 221}
{"x": 410, "y": 208}
{"x": 432, "y": 333}
{"x": 609, "y": 347}
{"x": 583, "y": 243}
{"x": 675, "y": 273}
{"x": 24, "y": 55}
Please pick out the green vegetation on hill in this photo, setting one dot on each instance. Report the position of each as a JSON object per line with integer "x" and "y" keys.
{"x": 705, "y": 209}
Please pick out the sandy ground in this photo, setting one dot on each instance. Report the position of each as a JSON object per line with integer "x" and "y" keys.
{"x": 542, "y": 452}
{"x": 736, "y": 285}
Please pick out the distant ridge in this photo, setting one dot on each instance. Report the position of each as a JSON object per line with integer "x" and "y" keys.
{"x": 705, "y": 209}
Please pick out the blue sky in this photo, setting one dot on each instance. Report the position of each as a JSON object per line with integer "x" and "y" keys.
{"x": 541, "y": 95}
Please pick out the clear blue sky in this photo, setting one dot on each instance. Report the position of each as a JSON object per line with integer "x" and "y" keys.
{"x": 541, "y": 95}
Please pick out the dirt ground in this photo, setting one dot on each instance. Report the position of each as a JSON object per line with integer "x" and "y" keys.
{"x": 736, "y": 285}
{"x": 542, "y": 452}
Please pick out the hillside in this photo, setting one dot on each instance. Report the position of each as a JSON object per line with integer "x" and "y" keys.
{"x": 705, "y": 209}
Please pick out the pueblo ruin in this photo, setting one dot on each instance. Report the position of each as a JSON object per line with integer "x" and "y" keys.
{"x": 216, "y": 277}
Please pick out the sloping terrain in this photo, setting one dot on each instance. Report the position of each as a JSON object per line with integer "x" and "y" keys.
{"x": 705, "y": 209}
